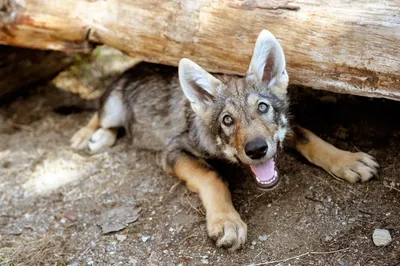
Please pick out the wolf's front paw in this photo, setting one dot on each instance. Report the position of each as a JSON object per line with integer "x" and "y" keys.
{"x": 80, "y": 139}
{"x": 227, "y": 229}
{"x": 354, "y": 167}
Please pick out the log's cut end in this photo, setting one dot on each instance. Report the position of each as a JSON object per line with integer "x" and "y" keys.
{"x": 347, "y": 47}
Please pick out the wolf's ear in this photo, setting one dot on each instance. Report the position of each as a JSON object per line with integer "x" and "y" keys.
{"x": 268, "y": 63}
{"x": 199, "y": 86}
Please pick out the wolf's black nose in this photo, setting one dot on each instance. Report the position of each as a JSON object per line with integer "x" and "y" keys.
{"x": 256, "y": 149}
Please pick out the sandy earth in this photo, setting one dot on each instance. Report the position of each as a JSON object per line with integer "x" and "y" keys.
{"x": 52, "y": 198}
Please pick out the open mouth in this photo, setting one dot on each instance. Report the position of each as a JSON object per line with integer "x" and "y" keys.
{"x": 266, "y": 173}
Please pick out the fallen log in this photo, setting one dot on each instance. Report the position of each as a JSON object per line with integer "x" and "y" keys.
{"x": 341, "y": 46}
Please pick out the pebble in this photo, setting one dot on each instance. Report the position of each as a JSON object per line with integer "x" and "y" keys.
{"x": 132, "y": 261}
{"x": 263, "y": 238}
{"x": 329, "y": 198}
{"x": 204, "y": 261}
{"x": 352, "y": 220}
{"x": 120, "y": 238}
{"x": 253, "y": 243}
{"x": 145, "y": 238}
{"x": 328, "y": 238}
{"x": 71, "y": 216}
{"x": 381, "y": 237}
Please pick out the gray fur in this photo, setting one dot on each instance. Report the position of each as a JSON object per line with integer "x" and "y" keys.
{"x": 185, "y": 113}
{"x": 159, "y": 116}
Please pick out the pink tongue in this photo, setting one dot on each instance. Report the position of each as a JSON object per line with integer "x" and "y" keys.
{"x": 265, "y": 172}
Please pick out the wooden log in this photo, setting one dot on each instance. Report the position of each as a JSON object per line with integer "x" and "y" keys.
{"x": 21, "y": 67}
{"x": 341, "y": 46}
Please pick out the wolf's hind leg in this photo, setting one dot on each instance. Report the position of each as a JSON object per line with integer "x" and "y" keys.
{"x": 350, "y": 166}
{"x": 80, "y": 139}
{"x": 111, "y": 117}
{"x": 223, "y": 222}
{"x": 101, "y": 139}
{"x": 101, "y": 131}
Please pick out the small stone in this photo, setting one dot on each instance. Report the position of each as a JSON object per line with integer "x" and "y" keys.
{"x": 381, "y": 237}
{"x": 204, "y": 261}
{"x": 145, "y": 238}
{"x": 352, "y": 220}
{"x": 263, "y": 238}
{"x": 328, "y": 238}
{"x": 133, "y": 262}
{"x": 71, "y": 216}
{"x": 165, "y": 252}
{"x": 341, "y": 262}
{"x": 120, "y": 238}
{"x": 253, "y": 243}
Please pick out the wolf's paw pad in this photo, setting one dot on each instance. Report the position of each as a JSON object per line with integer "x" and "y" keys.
{"x": 355, "y": 167}
{"x": 228, "y": 230}
{"x": 101, "y": 139}
{"x": 80, "y": 139}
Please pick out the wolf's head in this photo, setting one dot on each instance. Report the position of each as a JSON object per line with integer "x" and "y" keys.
{"x": 245, "y": 116}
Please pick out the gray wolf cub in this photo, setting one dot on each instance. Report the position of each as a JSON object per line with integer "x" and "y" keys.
{"x": 193, "y": 116}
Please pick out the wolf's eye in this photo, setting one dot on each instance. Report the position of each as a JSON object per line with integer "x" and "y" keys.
{"x": 263, "y": 108}
{"x": 227, "y": 120}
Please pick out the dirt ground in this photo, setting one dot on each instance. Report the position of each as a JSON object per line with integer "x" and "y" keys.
{"x": 52, "y": 197}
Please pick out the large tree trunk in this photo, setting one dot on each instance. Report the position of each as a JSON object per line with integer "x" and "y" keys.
{"x": 342, "y": 46}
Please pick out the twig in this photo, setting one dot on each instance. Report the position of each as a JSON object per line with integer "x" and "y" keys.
{"x": 194, "y": 208}
{"x": 313, "y": 199}
{"x": 21, "y": 126}
{"x": 258, "y": 254}
{"x": 300, "y": 256}
{"x": 364, "y": 262}
{"x": 173, "y": 187}
{"x": 186, "y": 238}
{"x": 390, "y": 187}
{"x": 5, "y": 262}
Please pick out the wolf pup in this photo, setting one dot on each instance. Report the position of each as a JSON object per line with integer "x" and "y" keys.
{"x": 196, "y": 116}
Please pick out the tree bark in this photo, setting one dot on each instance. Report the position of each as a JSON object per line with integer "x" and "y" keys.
{"x": 21, "y": 67}
{"x": 341, "y": 46}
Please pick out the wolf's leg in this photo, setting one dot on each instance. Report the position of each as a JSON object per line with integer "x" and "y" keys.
{"x": 101, "y": 131}
{"x": 80, "y": 139}
{"x": 223, "y": 222}
{"x": 350, "y": 166}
